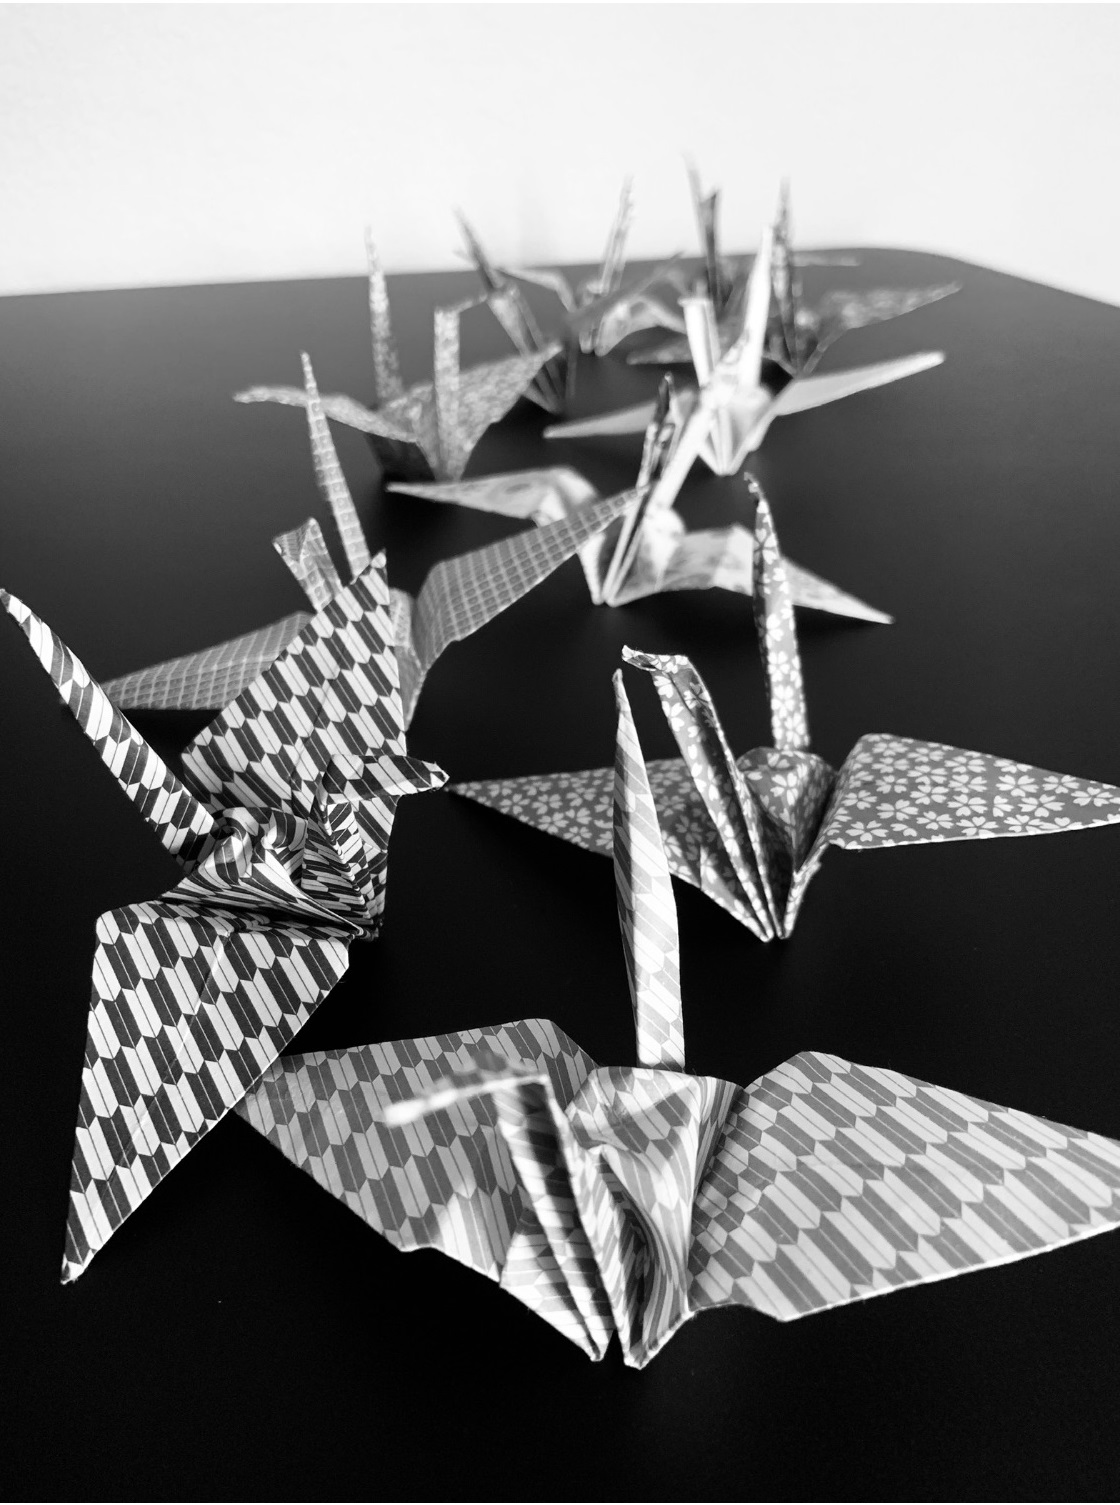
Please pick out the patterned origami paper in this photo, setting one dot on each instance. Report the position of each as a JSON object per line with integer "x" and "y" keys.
{"x": 797, "y": 335}
{"x": 628, "y": 1199}
{"x": 281, "y": 823}
{"x": 600, "y": 311}
{"x": 751, "y": 833}
{"x": 430, "y": 428}
{"x": 458, "y": 597}
{"x": 553, "y": 383}
{"x": 741, "y": 392}
{"x": 648, "y": 550}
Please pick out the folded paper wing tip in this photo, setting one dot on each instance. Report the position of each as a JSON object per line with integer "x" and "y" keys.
{"x": 404, "y": 775}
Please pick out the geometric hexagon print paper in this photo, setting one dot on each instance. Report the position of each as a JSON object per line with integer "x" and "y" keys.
{"x": 281, "y": 823}
{"x": 457, "y": 598}
{"x": 625, "y": 1200}
{"x": 649, "y": 551}
{"x": 752, "y": 832}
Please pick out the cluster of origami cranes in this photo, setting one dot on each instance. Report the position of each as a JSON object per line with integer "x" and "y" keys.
{"x": 609, "y": 1199}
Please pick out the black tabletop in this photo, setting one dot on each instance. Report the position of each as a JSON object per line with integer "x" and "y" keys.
{"x": 244, "y": 1335}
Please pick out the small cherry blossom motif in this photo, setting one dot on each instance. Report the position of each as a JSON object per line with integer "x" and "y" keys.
{"x": 981, "y": 827}
{"x": 859, "y": 831}
{"x": 1017, "y": 783}
{"x": 751, "y": 832}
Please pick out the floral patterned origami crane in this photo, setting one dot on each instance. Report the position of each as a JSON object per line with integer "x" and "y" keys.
{"x": 752, "y": 832}
{"x": 458, "y": 597}
{"x": 628, "y": 1199}
{"x": 428, "y": 429}
{"x": 648, "y": 550}
{"x": 281, "y": 824}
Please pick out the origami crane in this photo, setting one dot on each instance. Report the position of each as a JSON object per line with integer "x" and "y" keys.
{"x": 458, "y": 597}
{"x": 628, "y": 1199}
{"x": 797, "y": 335}
{"x": 751, "y": 833}
{"x": 740, "y": 396}
{"x": 281, "y": 823}
{"x": 430, "y": 429}
{"x": 600, "y": 311}
{"x": 648, "y": 550}
{"x": 553, "y": 384}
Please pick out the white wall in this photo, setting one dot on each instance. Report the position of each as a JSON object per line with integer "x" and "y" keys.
{"x": 162, "y": 144}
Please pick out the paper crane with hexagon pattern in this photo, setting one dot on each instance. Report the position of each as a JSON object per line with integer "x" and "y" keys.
{"x": 458, "y": 596}
{"x": 648, "y": 550}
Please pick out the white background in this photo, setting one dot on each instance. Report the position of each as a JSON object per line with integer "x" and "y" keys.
{"x": 163, "y": 144}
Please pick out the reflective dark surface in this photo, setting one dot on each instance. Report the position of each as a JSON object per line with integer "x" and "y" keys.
{"x": 246, "y": 1336}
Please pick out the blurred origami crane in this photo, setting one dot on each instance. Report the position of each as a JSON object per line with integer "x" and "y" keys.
{"x": 281, "y": 824}
{"x": 430, "y": 428}
{"x": 646, "y": 551}
{"x": 797, "y": 334}
{"x": 741, "y": 393}
{"x": 628, "y": 1199}
{"x": 458, "y": 597}
{"x": 600, "y": 312}
{"x": 751, "y": 833}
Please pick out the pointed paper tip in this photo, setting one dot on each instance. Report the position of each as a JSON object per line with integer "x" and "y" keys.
{"x": 766, "y": 242}
{"x": 764, "y": 518}
{"x": 465, "y": 226}
{"x": 70, "y": 1271}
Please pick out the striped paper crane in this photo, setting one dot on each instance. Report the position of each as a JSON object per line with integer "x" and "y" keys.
{"x": 281, "y": 824}
{"x": 625, "y": 1200}
{"x": 752, "y": 832}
